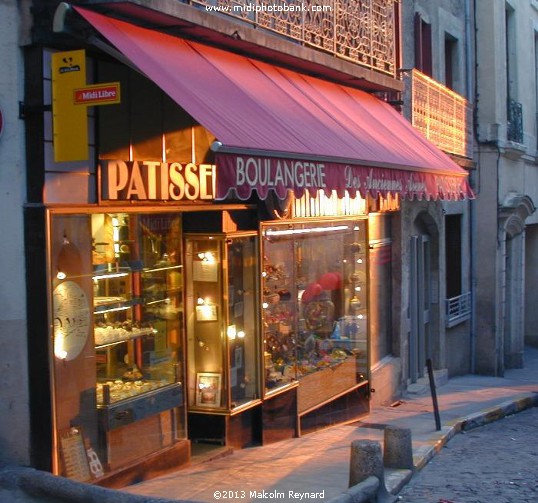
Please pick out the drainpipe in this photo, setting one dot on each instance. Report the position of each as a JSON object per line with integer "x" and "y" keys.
{"x": 470, "y": 89}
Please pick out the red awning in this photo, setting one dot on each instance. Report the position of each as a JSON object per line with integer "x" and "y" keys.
{"x": 281, "y": 130}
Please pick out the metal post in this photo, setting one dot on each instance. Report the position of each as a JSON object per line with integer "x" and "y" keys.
{"x": 434, "y": 395}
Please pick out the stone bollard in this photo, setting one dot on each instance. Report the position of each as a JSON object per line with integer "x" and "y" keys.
{"x": 398, "y": 448}
{"x": 366, "y": 460}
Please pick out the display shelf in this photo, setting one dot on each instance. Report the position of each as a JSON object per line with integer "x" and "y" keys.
{"x": 270, "y": 392}
{"x": 105, "y": 301}
{"x": 163, "y": 310}
{"x": 326, "y": 382}
{"x": 119, "y": 339}
{"x": 160, "y": 295}
{"x": 162, "y": 290}
{"x": 114, "y": 306}
{"x": 157, "y": 268}
{"x": 141, "y": 404}
{"x": 112, "y": 271}
{"x": 130, "y": 328}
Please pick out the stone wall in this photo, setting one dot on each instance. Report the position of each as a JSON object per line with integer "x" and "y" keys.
{"x": 14, "y": 431}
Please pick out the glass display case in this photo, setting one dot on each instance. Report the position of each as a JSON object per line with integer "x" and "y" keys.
{"x": 138, "y": 319}
{"x": 314, "y": 283}
{"x": 133, "y": 281}
{"x": 222, "y": 331}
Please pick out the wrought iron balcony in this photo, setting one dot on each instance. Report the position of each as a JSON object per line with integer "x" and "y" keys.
{"x": 458, "y": 309}
{"x": 362, "y": 31}
{"x": 441, "y": 115}
{"x": 514, "y": 130}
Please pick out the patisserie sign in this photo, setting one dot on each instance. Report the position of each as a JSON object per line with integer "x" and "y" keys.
{"x": 156, "y": 181}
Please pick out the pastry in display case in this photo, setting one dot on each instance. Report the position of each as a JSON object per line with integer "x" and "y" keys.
{"x": 118, "y": 339}
{"x": 138, "y": 321}
{"x": 279, "y": 308}
{"x": 314, "y": 310}
{"x": 114, "y": 321}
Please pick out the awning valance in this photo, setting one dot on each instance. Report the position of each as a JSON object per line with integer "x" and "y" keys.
{"x": 281, "y": 130}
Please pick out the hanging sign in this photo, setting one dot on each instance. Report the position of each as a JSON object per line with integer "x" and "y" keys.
{"x": 70, "y": 123}
{"x": 70, "y": 97}
{"x": 97, "y": 94}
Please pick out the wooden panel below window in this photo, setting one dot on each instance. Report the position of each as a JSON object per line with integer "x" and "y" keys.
{"x": 137, "y": 440}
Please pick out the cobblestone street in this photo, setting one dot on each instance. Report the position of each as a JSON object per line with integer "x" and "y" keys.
{"x": 496, "y": 463}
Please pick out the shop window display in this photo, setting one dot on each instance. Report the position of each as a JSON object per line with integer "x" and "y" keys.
{"x": 314, "y": 307}
{"x": 222, "y": 324}
{"x": 123, "y": 391}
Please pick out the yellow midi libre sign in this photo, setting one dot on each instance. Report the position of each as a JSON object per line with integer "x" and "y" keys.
{"x": 70, "y": 99}
{"x": 69, "y": 122}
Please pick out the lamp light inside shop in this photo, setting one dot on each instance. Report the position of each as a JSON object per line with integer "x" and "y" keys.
{"x": 69, "y": 262}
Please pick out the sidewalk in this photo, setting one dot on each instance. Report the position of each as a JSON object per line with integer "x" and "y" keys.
{"x": 319, "y": 462}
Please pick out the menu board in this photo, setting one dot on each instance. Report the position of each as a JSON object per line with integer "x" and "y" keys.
{"x": 75, "y": 462}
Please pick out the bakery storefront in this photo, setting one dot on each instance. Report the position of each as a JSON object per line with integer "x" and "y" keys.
{"x": 207, "y": 271}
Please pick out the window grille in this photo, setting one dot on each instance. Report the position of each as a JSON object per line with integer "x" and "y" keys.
{"x": 458, "y": 309}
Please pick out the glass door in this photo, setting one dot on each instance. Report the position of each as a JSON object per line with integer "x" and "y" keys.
{"x": 222, "y": 326}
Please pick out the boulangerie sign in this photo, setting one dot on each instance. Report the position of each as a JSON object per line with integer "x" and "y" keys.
{"x": 240, "y": 175}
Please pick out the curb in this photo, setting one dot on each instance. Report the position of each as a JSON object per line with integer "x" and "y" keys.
{"x": 39, "y": 484}
{"x": 397, "y": 479}
{"x": 480, "y": 418}
{"x": 362, "y": 492}
{"x": 507, "y": 408}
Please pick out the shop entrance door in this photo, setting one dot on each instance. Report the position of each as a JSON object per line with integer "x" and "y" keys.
{"x": 419, "y": 305}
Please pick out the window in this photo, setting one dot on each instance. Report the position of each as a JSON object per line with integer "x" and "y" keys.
{"x": 514, "y": 107}
{"x": 453, "y": 255}
{"x": 458, "y": 302}
{"x": 423, "y": 46}
{"x": 536, "y": 82}
{"x": 315, "y": 307}
{"x": 510, "y": 54}
{"x": 450, "y": 61}
{"x": 118, "y": 340}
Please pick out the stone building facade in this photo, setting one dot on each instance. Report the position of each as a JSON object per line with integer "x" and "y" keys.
{"x": 420, "y": 251}
{"x": 506, "y": 182}
{"x": 14, "y": 403}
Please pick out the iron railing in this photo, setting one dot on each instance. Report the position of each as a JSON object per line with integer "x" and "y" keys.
{"x": 363, "y": 31}
{"x": 443, "y": 116}
{"x": 458, "y": 309}
{"x": 514, "y": 130}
